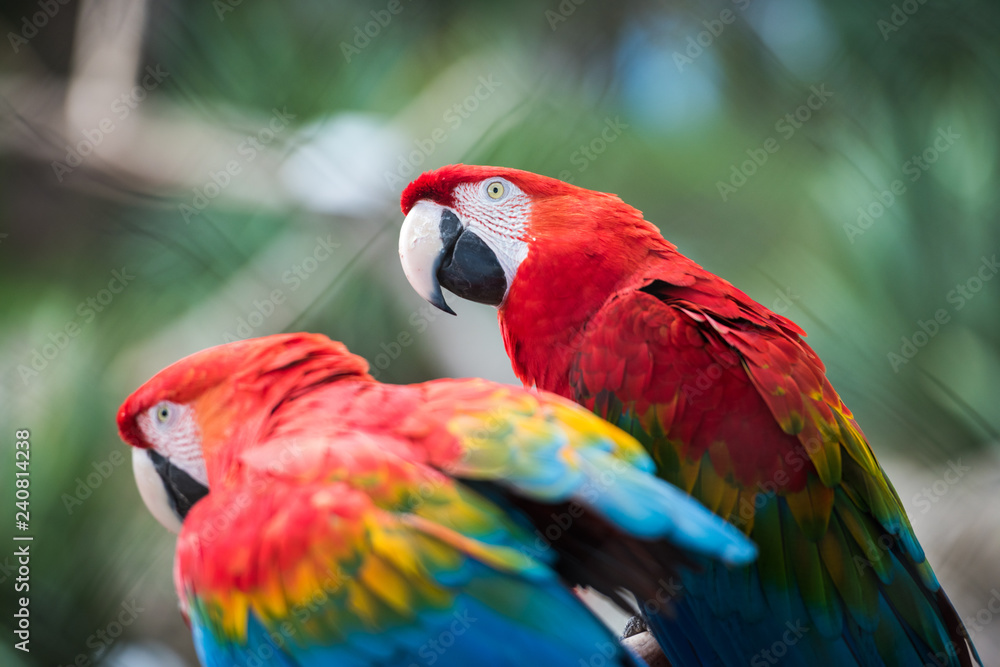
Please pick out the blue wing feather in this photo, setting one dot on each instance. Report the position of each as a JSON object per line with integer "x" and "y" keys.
{"x": 551, "y": 628}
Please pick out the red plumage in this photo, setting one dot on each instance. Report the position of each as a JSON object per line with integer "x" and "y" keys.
{"x": 644, "y": 304}
{"x": 729, "y": 400}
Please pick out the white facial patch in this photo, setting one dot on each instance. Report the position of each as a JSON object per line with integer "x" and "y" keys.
{"x": 178, "y": 438}
{"x": 502, "y": 223}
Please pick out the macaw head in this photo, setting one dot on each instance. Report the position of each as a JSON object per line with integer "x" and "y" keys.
{"x": 192, "y": 418}
{"x": 479, "y": 231}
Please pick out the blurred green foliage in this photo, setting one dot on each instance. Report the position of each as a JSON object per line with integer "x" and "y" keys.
{"x": 685, "y": 95}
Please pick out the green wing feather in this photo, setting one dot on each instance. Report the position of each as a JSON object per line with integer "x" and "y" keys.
{"x": 736, "y": 409}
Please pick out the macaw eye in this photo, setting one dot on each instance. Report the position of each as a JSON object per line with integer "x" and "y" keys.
{"x": 495, "y": 190}
{"x": 163, "y": 413}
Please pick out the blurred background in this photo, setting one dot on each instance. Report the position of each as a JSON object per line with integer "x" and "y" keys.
{"x": 176, "y": 174}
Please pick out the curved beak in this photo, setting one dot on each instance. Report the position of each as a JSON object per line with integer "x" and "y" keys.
{"x": 426, "y": 237}
{"x": 436, "y": 249}
{"x": 167, "y": 490}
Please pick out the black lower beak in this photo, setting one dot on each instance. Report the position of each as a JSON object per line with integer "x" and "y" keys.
{"x": 469, "y": 268}
{"x": 182, "y": 489}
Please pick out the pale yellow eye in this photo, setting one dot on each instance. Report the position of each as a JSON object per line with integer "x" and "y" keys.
{"x": 162, "y": 413}
{"x": 495, "y": 190}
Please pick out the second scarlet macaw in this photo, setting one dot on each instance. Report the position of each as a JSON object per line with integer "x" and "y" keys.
{"x": 328, "y": 519}
{"x": 734, "y": 407}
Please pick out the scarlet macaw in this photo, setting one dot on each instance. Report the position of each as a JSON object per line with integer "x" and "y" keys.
{"x": 734, "y": 407}
{"x": 328, "y": 519}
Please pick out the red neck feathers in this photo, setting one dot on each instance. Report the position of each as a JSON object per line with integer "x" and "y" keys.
{"x": 583, "y": 248}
